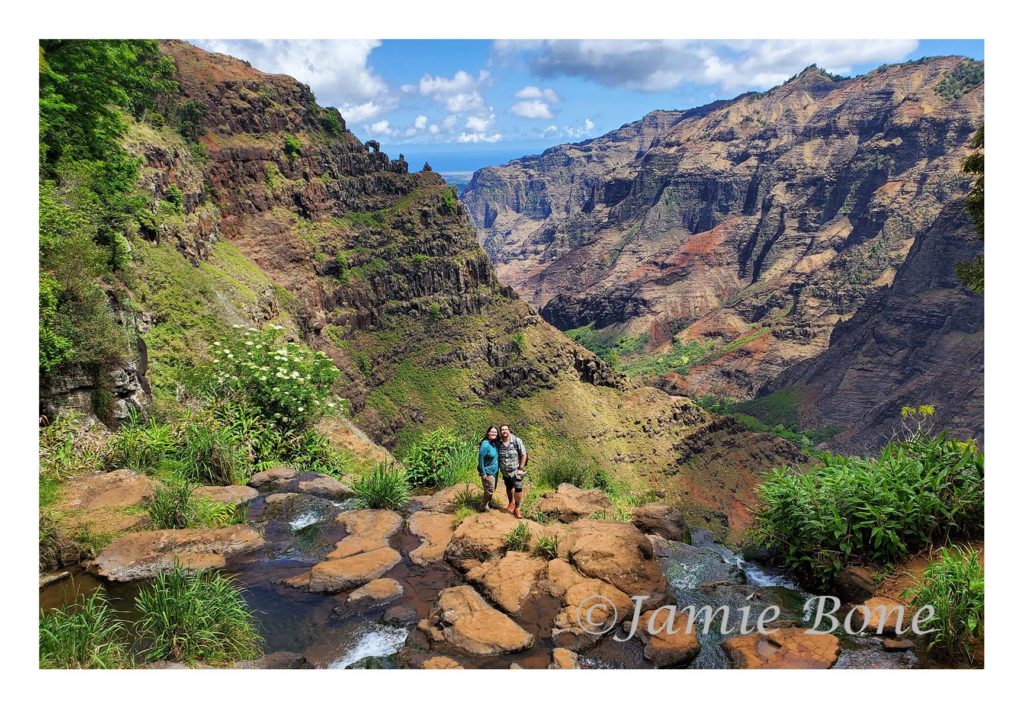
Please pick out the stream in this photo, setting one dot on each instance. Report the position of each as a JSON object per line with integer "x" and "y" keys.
{"x": 331, "y": 635}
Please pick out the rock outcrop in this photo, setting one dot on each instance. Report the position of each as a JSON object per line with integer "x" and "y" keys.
{"x": 785, "y": 648}
{"x": 569, "y": 503}
{"x": 462, "y": 619}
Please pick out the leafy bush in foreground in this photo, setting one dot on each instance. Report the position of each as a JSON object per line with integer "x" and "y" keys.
{"x": 437, "y": 459}
{"x": 955, "y": 587}
{"x": 383, "y": 488}
{"x": 88, "y": 635}
{"x": 847, "y": 508}
{"x": 195, "y": 618}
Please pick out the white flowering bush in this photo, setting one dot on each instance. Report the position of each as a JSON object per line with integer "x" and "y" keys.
{"x": 289, "y": 384}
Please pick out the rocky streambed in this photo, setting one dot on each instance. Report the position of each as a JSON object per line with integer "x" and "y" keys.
{"x": 334, "y": 586}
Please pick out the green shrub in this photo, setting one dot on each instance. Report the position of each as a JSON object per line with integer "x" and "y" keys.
{"x": 208, "y": 455}
{"x": 141, "y": 445}
{"x": 175, "y": 506}
{"x": 195, "y": 618}
{"x": 289, "y": 385}
{"x": 383, "y": 488}
{"x": 575, "y": 471}
{"x": 955, "y": 587}
{"x": 292, "y": 147}
{"x": 518, "y": 539}
{"x": 440, "y": 459}
{"x": 877, "y": 510}
{"x": 88, "y": 635}
{"x": 547, "y": 546}
{"x": 190, "y": 117}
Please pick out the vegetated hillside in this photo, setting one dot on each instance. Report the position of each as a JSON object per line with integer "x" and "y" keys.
{"x": 265, "y": 208}
{"x": 712, "y": 250}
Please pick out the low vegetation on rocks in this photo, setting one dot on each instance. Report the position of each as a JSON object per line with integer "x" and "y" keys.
{"x": 955, "y": 587}
{"x": 386, "y": 487}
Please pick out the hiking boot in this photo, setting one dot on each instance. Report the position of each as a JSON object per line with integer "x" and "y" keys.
{"x": 518, "y": 514}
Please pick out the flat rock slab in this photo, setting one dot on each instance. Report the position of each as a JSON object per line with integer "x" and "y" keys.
{"x": 483, "y": 535}
{"x": 272, "y": 477}
{"x": 326, "y": 486}
{"x": 227, "y": 494}
{"x": 441, "y": 662}
{"x": 462, "y": 619}
{"x": 882, "y": 613}
{"x": 117, "y": 488}
{"x": 786, "y": 648}
{"x": 435, "y": 529}
{"x": 367, "y": 530}
{"x": 290, "y": 480}
{"x": 348, "y": 572}
{"x": 569, "y": 503}
{"x": 377, "y": 591}
{"x": 444, "y": 500}
{"x": 618, "y": 553}
{"x": 509, "y": 580}
{"x": 563, "y": 659}
{"x": 142, "y": 555}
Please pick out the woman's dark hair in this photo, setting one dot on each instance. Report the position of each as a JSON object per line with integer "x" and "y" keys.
{"x": 496, "y": 430}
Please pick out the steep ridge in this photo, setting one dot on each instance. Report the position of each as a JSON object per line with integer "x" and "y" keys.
{"x": 287, "y": 217}
{"x": 711, "y": 250}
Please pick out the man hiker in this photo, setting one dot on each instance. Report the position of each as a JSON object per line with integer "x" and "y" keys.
{"x": 512, "y": 464}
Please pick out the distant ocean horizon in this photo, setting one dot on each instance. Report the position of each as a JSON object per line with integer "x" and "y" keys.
{"x": 460, "y": 164}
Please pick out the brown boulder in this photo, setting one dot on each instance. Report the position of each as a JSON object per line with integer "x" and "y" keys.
{"x": 377, "y": 591}
{"x": 663, "y": 520}
{"x": 326, "y": 486}
{"x": 435, "y": 529}
{"x": 367, "y": 529}
{"x": 854, "y": 584}
{"x": 569, "y": 503}
{"x": 668, "y": 646}
{"x": 508, "y": 580}
{"x": 142, "y": 555}
{"x": 482, "y": 536}
{"x": 880, "y": 611}
{"x": 441, "y": 662}
{"x": 444, "y": 500}
{"x": 590, "y": 609}
{"x": 563, "y": 659}
{"x": 274, "y": 476}
{"x": 785, "y": 648}
{"x": 350, "y": 571}
{"x": 227, "y": 494}
{"x": 620, "y": 554}
{"x": 463, "y": 619}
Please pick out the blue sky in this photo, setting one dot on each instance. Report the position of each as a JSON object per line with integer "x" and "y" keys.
{"x": 464, "y": 104}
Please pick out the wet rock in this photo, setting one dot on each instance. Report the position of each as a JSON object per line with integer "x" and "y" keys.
{"x": 618, "y": 553}
{"x": 141, "y": 555}
{"x": 274, "y": 661}
{"x": 280, "y": 498}
{"x": 435, "y": 529}
{"x": 589, "y": 608}
{"x": 348, "y": 572}
{"x": 670, "y": 645}
{"x": 563, "y": 659}
{"x": 695, "y": 567}
{"x": 463, "y": 619}
{"x": 326, "y": 486}
{"x": 882, "y": 613}
{"x": 854, "y": 584}
{"x": 117, "y": 488}
{"x": 785, "y": 648}
{"x": 49, "y": 577}
{"x": 441, "y": 662}
{"x": 368, "y": 530}
{"x": 569, "y": 503}
{"x": 444, "y": 500}
{"x": 377, "y": 592}
{"x": 399, "y": 616}
{"x": 507, "y": 581}
{"x": 663, "y": 520}
{"x": 897, "y": 644}
{"x": 482, "y": 536}
{"x": 227, "y": 494}
{"x": 272, "y": 477}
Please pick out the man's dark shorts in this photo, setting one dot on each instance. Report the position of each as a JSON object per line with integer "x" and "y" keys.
{"x": 510, "y": 479}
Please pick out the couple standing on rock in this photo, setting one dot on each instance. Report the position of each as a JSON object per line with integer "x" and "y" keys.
{"x": 502, "y": 452}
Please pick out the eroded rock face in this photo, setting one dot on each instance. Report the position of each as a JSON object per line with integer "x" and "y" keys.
{"x": 663, "y": 520}
{"x": 509, "y": 580}
{"x": 617, "y": 552}
{"x": 435, "y": 529}
{"x": 227, "y": 494}
{"x": 786, "y": 648}
{"x": 569, "y": 503}
{"x": 141, "y": 555}
{"x": 463, "y": 619}
{"x": 753, "y": 228}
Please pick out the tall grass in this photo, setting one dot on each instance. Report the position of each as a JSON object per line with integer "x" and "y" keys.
{"x": 88, "y": 635}
{"x": 878, "y": 510}
{"x": 955, "y": 587}
{"x": 383, "y": 488}
{"x": 195, "y": 618}
{"x": 575, "y": 471}
{"x": 440, "y": 459}
{"x": 175, "y": 506}
{"x": 518, "y": 539}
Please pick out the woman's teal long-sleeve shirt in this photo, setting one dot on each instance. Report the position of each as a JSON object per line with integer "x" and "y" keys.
{"x": 487, "y": 463}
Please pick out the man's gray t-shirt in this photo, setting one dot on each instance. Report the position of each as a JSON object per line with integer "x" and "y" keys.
{"x": 508, "y": 454}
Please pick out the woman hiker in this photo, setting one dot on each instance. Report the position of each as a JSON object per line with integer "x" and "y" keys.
{"x": 487, "y": 464}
